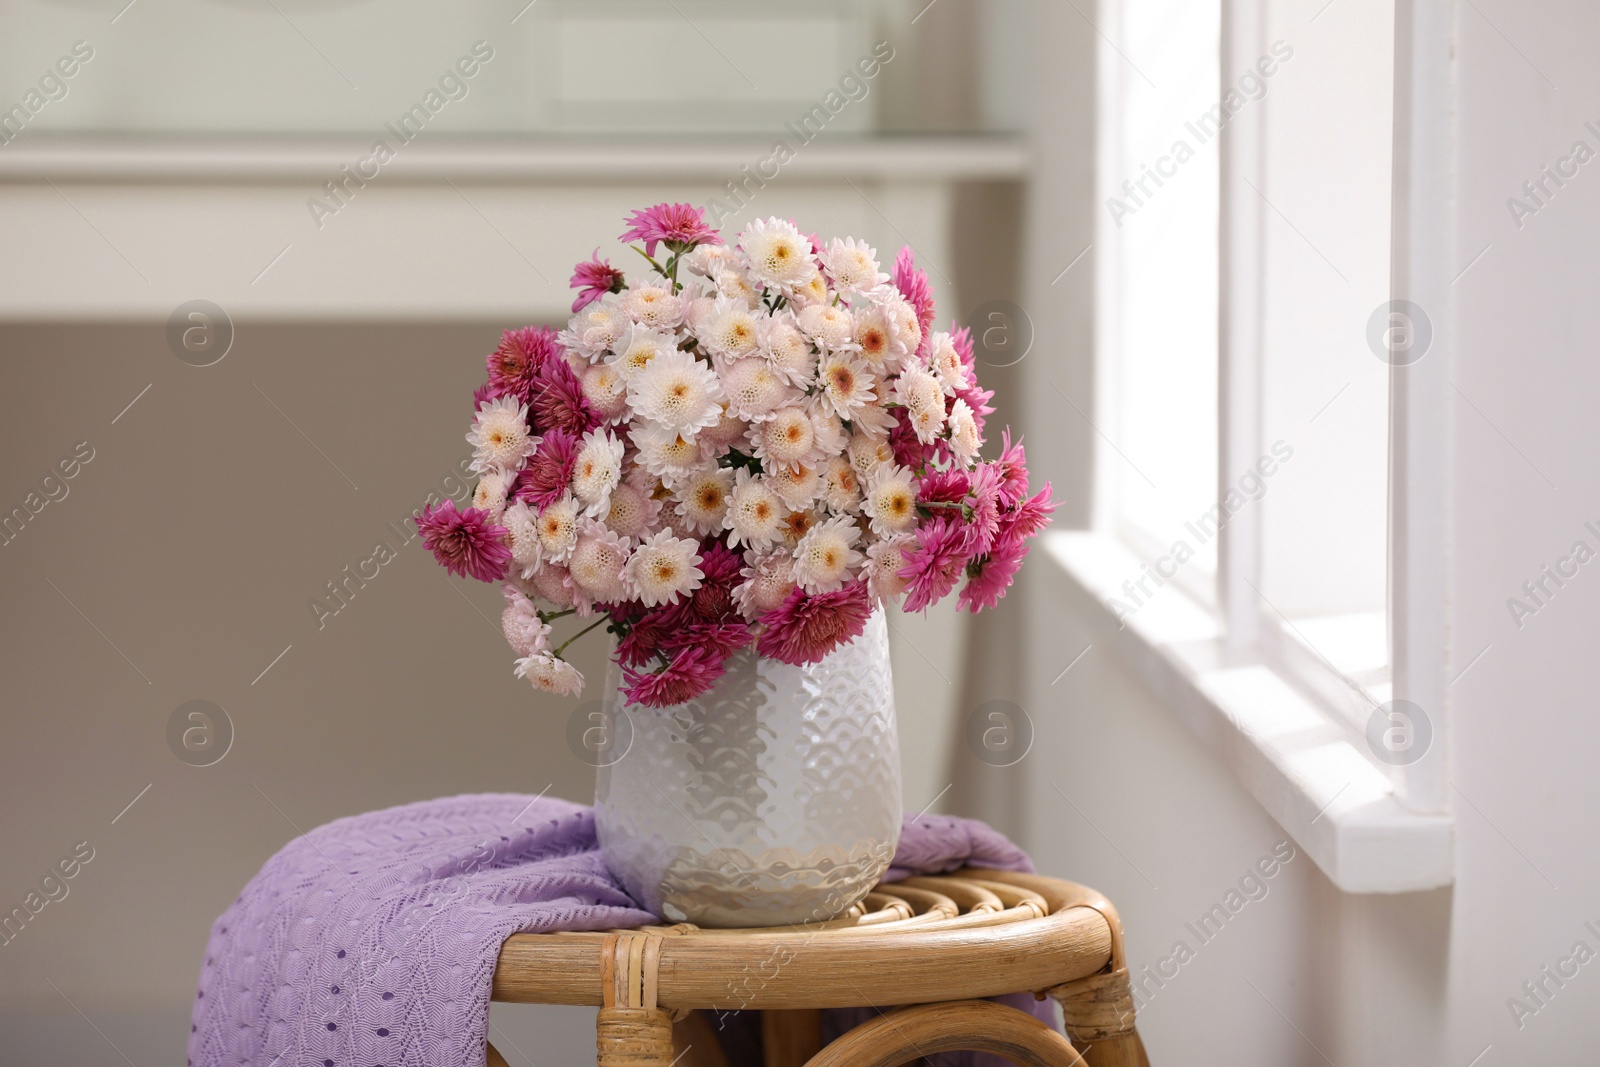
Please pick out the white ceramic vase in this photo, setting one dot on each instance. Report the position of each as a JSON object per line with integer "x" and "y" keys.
{"x": 773, "y": 799}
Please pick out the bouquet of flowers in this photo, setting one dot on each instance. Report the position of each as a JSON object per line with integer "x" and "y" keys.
{"x": 750, "y": 444}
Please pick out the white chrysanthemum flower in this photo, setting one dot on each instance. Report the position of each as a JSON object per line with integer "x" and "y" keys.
{"x": 787, "y": 438}
{"x": 882, "y": 569}
{"x": 797, "y": 487}
{"x": 846, "y": 384}
{"x": 878, "y": 336}
{"x": 945, "y": 361}
{"x": 596, "y": 470}
{"x": 706, "y": 260}
{"x": 867, "y": 452}
{"x": 813, "y": 291}
{"x": 788, "y": 350}
{"x": 653, "y": 304}
{"x": 637, "y": 347}
{"x": 552, "y": 582}
{"x": 703, "y": 500}
{"x": 832, "y": 437}
{"x": 891, "y": 501}
{"x": 551, "y": 674}
{"x": 779, "y": 254}
{"x": 798, "y": 523}
{"x": 853, "y": 265}
{"x": 526, "y": 633}
{"x": 731, "y": 330}
{"x": 558, "y": 528}
{"x": 963, "y": 427}
{"x": 666, "y": 454}
{"x": 597, "y": 564}
{"x": 728, "y": 431}
{"x": 874, "y": 420}
{"x": 499, "y": 436}
{"x": 526, "y": 552}
{"x": 664, "y": 568}
{"x": 825, "y": 556}
{"x": 697, "y": 312}
{"x": 829, "y": 326}
{"x": 731, "y": 284}
{"x": 594, "y": 330}
{"x": 768, "y": 581}
{"x": 677, "y": 392}
{"x": 490, "y": 493}
{"x": 918, "y": 390}
{"x": 755, "y": 513}
{"x": 606, "y": 390}
{"x": 634, "y": 512}
{"x": 907, "y": 327}
{"x": 754, "y": 389}
{"x": 841, "y": 488}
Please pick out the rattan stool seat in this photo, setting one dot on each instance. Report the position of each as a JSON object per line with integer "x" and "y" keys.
{"x": 941, "y": 942}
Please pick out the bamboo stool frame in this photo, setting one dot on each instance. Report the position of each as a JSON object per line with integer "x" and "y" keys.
{"x": 928, "y": 949}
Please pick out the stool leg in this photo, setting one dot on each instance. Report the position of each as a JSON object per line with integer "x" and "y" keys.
{"x": 907, "y": 1035}
{"x": 1099, "y": 1017}
{"x": 695, "y": 1044}
{"x": 790, "y": 1037}
{"x": 634, "y": 1037}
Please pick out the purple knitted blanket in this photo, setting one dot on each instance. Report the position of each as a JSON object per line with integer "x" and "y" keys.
{"x": 371, "y": 941}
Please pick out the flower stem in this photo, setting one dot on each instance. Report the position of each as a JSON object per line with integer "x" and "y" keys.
{"x": 554, "y": 615}
{"x": 601, "y": 621}
{"x": 650, "y": 259}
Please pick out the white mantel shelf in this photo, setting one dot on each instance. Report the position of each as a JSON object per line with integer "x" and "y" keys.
{"x": 480, "y": 229}
{"x": 435, "y": 159}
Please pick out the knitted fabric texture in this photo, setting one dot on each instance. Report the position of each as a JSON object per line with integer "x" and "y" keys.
{"x": 372, "y": 941}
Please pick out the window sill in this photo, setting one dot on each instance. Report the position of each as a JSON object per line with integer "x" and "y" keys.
{"x": 1304, "y": 768}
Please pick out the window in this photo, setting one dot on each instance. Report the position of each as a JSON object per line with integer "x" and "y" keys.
{"x": 1244, "y": 369}
{"x": 1246, "y": 193}
{"x": 1159, "y": 285}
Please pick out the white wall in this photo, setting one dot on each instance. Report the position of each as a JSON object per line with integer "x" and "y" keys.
{"x": 1309, "y": 975}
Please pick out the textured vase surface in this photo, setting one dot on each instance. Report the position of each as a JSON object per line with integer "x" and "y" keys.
{"x": 773, "y": 799}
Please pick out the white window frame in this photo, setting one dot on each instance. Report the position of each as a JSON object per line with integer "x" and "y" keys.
{"x": 1228, "y": 666}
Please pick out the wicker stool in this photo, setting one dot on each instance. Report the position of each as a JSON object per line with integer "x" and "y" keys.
{"x": 938, "y": 943}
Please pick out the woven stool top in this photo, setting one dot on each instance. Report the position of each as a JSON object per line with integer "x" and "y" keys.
{"x": 974, "y": 933}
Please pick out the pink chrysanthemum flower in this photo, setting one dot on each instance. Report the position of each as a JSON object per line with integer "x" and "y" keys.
{"x": 984, "y": 508}
{"x": 945, "y": 487}
{"x": 596, "y": 278}
{"x": 990, "y": 576}
{"x": 908, "y": 449}
{"x": 681, "y": 226}
{"x": 913, "y": 285}
{"x": 713, "y": 601}
{"x": 549, "y": 471}
{"x": 644, "y": 631}
{"x": 1030, "y": 516}
{"x": 805, "y": 628}
{"x": 693, "y": 670}
{"x": 1013, "y": 469}
{"x": 934, "y": 563}
{"x": 515, "y": 364}
{"x": 556, "y": 401}
{"x": 465, "y": 543}
{"x": 721, "y": 639}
